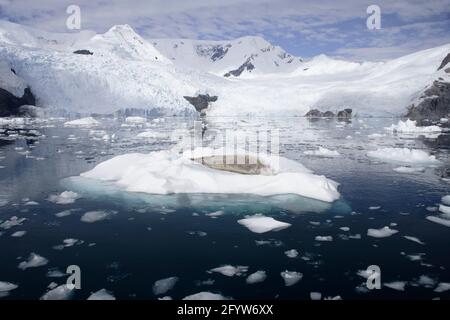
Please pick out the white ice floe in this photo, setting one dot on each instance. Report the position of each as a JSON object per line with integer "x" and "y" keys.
{"x": 256, "y": 277}
{"x": 324, "y": 238}
{"x": 345, "y": 229}
{"x": 34, "y": 261}
{"x": 215, "y": 214}
{"x": 66, "y": 197}
{"x": 12, "y": 222}
{"x": 31, "y": 203}
{"x": 409, "y": 169}
{"x": 94, "y": 216}
{"x": 322, "y": 152}
{"x": 414, "y": 239}
{"x": 230, "y": 271}
{"x": 376, "y": 135}
{"x": 101, "y": 294}
{"x": 444, "y": 209}
{"x": 64, "y": 213}
{"x": 68, "y": 243}
{"x": 375, "y": 208}
{"x": 259, "y": 223}
{"x": 205, "y": 295}
{"x": 381, "y": 233}
{"x": 446, "y": 200}
{"x": 7, "y": 286}
{"x": 410, "y": 127}
{"x": 315, "y": 296}
{"x": 438, "y": 220}
{"x": 83, "y": 122}
{"x": 291, "y": 277}
{"x": 163, "y": 285}
{"x": 396, "y": 285}
{"x": 404, "y": 155}
{"x": 366, "y": 274}
{"x": 150, "y": 134}
{"x": 291, "y": 253}
{"x": 18, "y": 234}
{"x": 166, "y": 172}
{"x": 442, "y": 287}
{"x": 62, "y": 292}
{"x": 425, "y": 281}
{"x": 135, "y": 120}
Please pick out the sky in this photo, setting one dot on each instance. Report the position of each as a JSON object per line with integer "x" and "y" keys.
{"x": 302, "y": 27}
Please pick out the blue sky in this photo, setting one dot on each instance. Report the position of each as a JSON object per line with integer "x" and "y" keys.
{"x": 302, "y": 27}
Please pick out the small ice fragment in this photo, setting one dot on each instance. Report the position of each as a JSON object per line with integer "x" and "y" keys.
{"x": 229, "y": 270}
{"x": 381, "y": 233}
{"x": 206, "y": 296}
{"x": 34, "y": 261}
{"x": 291, "y": 277}
{"x": 315, "y": 295}
{"x": 414, "y": 239}
{"x": 291, "y": 253}
{"x": 442, "y": 287}
{"x": 396, "y": 285}
{"x": 324, "y": 238}
{"x": 259, "y": 223}
{"x": 101, "y": 294}
{"x": 258, "y": 276}
{"x": 59, "y": 293}
{"x": 163, "y": 285}
{"x": 94, "y": 216}
{"x": 18, "y": 234}
{"x": 66, "y": 197}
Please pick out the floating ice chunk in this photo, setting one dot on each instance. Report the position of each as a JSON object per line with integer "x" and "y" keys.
{"x": 7, "y": 286}
{"x": 291, "y": 277}
{"x": 259, "y": 223}
{"x": 31, "y": 203}
{"x": 152, "y": 135}
{"x": 135, "y": 120}
{"x": 291, "y": 253}
{"x": 426, "y": 281}
{"x": 415, "y": 257}
{"x": 381, "y": 233}
{"x": 83, "y": 122}
{"x": 441, "y": 221}
{"x": 366, "y": 274}
{"x": 61, "y": 292}
{"x": 165, "y": 298}
{"x": 444, "y": 209}
{"x": 376, "y": 135}
{"x": 324, "y": 238}
{"x": 410, "y": 127}
{"x": 55, "y": 273}
{"x": 18, "y": 234}
{"x": 215, "y": 214}
{"x": 375, "y": 208}
{"x": 414, "y": 239}
{"x": 442, "y": 287}
{"x": 322, "y": 152}
{"x": 68, "y": 243}
{"x": 345, "y": 229}
{"x": 66, "y": 197}
{"x": 396, "y": 285}
{"x": 446, "y": 200}
{"x": 64, "y": 213}
{"x": 166, "y": 172}
{"x": 101, "y": 294}
{"x": 409, "y": 169}
{"x": 163, "y": 285}
{"x": 34, "y": 261}
{"x": 315, "y": 296}
{"x": 258, "y": 276}
{"x": 12, "y": 222}
{"x": 94, "y": 216}
{"x": 205, "y": 295}
{"x": 230, "y": 271}
{"x": 404, "y": 155}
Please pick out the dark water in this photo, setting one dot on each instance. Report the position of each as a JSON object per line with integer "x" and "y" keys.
{"x": 147, "y": 238}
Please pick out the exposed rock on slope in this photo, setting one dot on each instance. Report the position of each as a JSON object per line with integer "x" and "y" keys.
{"x": 201, "y": 102}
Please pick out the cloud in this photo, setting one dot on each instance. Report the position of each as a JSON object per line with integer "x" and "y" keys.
{"x": 332, "y": 26}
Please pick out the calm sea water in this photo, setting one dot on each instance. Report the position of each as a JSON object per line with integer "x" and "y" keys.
{"x": 147, "y": 238}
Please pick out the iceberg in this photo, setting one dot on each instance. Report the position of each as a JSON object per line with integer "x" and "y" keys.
{"x": 259, "y": 223}
{"x": 169, "y": 172}
{"x": 410, "y": 127}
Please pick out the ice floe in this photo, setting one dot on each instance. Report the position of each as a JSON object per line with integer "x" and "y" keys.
{"x": 409, "y": 169}
{"x": 101, "y": 294}
{"x": 291, "y": 253}
{"x": 66, "y": 197}
{"x": 291, "y": 277}
{"x": 438, "y": 220}
{"x": 62, "y": 292}
{"x": 83, "y": 122}
{"x": 135, "y": 120}
{"x": 444, "y": 209}
{"x": 12, "y": 222}
{"x": 322, "y": 152}
{"x": 446, "y": 200}
{"x": 315, "y": 296}
{"x": 324, "y": 238}
{"x": 163, "y": 285}
{"x": 7, "y": 286}
{"x": 229, "y": 270}
{"x": 205, "y": 295}
{"x": 94, "y": 216}
{"x": 215, "y": 214}
{"x": 259, "y": 223}
{"x": 396, "y": 285}
{"x": 414, "y": 239}
{"x": 410, "y": 127}
{"x": 18, "y": 234}
{"x": 256, "y": 277}
{"x": 404, "y": 155}
{"x": 381, "y": 233}
{"x": 442, "y": 287}
{"x": 34, "y": 261}
{"x": 165, "y": 172}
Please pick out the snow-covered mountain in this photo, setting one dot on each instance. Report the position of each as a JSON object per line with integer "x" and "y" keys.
{"x": 101, "y": 73}
{"x": 237, "y": 58}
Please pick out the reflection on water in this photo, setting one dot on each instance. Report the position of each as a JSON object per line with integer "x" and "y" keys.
{"x": 145, "y": 238}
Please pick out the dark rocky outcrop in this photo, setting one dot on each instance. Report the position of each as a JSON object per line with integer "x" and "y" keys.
{"x": 314, "y": 113}
{"x": 444, "y": 62}
{"x": 84, "y": 52}
{"x": 247, "y": 65}
{"x": 10, "y": 105}
{"x": 434, "y": 104}
{"x": 201, "y": 102}
{"x": 343, "y": 114}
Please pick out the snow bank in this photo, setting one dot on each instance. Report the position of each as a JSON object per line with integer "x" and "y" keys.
{"x": 66, "y": 197}
{"x": 381, "y": 233}
{"x": 163, "y": 285}
{"x": 256, "y": 277}
{"x": 83, "y": 123}
{"x": 404, "y": 155}
{"x": 259, "y": 223}
{"x": 291, "y": 277}
{"x": 166, "y": 172}
{"x": 323, "y": 152}
{"x": 34, "y": 261}
{"x": 410, "y": 126}
{"x": 101, "y": 294}
{"x": 205, "y": 295}
{"x": 230, "y": 271}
